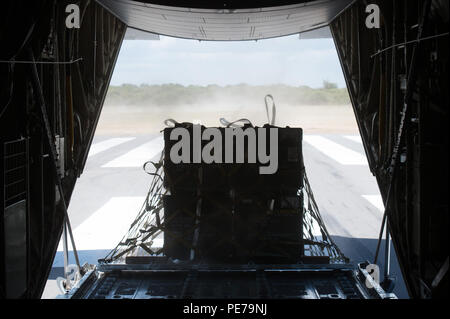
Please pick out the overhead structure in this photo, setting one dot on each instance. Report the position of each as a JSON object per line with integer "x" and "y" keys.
{"x": 134, "y": 34}
{"x": 226, "y": 23}
{"x": 321, "y": 33}
{"x": 53, "y": 81}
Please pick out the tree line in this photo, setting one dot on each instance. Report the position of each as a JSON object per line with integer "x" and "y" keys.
{"x": 176, "y": 95}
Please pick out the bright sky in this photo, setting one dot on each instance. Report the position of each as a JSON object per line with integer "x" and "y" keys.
{"x": 286, "y": 60}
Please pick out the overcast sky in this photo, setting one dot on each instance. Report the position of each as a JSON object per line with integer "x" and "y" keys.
{"x": 286, "y": 60}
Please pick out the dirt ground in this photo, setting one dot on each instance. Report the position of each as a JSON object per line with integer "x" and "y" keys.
{"x": 132, "y": 120}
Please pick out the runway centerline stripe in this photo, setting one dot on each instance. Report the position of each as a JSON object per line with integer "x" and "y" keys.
{"x": 375, "y": 200}
{"x": 339, "y": 153}
{"x": 354, "y": 138}
{"x": 107, "y": 144}
{"x": 105, "y": 228}
{"x": 138, "y": 156}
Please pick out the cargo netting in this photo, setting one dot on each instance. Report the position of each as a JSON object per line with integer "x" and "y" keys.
{"x": 146, "y": 233}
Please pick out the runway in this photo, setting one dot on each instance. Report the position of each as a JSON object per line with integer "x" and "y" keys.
{"x": 112, "y": 188}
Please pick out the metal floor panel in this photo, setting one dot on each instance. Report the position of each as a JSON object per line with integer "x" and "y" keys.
{"x": 225, "y": 282}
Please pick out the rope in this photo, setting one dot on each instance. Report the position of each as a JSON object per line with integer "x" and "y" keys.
{"x": 409, "y": 42}
{"x": 269, "y": 121}
{"x": 40, "y": 62}
{"x": 226, "y": 123}
{"x": 166, "y": 122}
{"x": 268, "y": 97}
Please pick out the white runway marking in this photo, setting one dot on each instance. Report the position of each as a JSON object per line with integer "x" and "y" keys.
{"x": 158, "y": 242}
{"x": 138, "y": 156}
{"x": 105, "y": 228}
{"x": 375, "y": 200}
{"x": 354, "y": 138}
{"x": 337, "y": 152}
{"x": 109, "y": 143}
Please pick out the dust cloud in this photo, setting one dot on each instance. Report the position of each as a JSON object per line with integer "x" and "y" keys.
{"x": 121, "y": 118}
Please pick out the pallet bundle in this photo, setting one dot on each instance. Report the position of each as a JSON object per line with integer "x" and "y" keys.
{"x": 227, "y": 211}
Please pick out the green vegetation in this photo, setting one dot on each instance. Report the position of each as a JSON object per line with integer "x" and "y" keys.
{"x": 329, "y": 85}
{"x": 177, "y": 95}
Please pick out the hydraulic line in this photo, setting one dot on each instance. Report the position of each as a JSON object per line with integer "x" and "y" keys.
{"x": 50, "y": 139}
